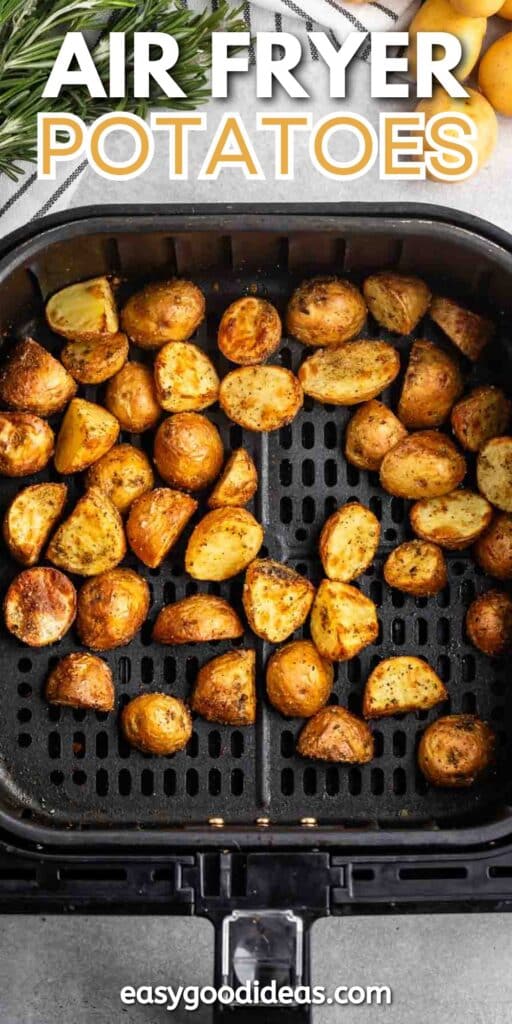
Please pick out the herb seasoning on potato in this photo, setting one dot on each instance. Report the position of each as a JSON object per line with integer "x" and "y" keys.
{"x": 456, "y": 750}
{"x": 335, "y": 734}
{"x": 156, "y": 723}
{"x": 276, "y": 599}
{"x": 250, "y": 331}
{"x": 81, "y": 680}
{"x": 225, "y": 689}
{"x": 326, "y": 311}
{"x": 299, "y": 680}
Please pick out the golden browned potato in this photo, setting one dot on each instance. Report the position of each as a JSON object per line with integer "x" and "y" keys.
{"x": 454, "y": 521}
{"x": 349, "y": 541}
{"x": 468, "y": 331}
{"x": 86, "y": 433}
{"x": 481, "y": 415}
{"x": 163, "y": 311}
{"x": 335, "y": 734}
{"x": 111, "y": 609}
{"x": 299, "y": 680}
{"x": 131, "y": 398}
{"x": 156, "y": 723}
{"x": 94, "y": 361}
{"x": 351, "y": 373}
{"x": 86, "y": 310}
{"x": 261, "y": 398}
{"x": 372, "y": 432}
{"x": 188, "y": 451}
{"x": 30, "y": 519}
{"x": 26, "y": 443}
{"x": 493, "y": 549}
{"x": 432, "y": 383}
{"x": 156, "y": 521}
{"x": 225, "y": 689}
{"x": 185, "y": 378}
{"x": 401, "y": 684}
{"x": 276, "y": 599}
{"x": 81, "y": 681}
{"x": 250, "y": 331}
{"x": 91, "y": 540}
{"x": 124, "y": 473}
{"x": 325, "y": 311}
{"x": 223, "y": 544}
{"x": 456, "y": 750}
{"x": 238, "y": 482}
{"x": 489, "y": 623}
{"x": 494, "y": 472}
{"x": 197, "y": 619}
{"x": 40, "y": 606}
{"x": 31, "y": 380}
{"x": 343, "y": 621}
{"x": 396, "y": 301}
{"x": 424, "y": 465}
{"x": 416, "y": 567}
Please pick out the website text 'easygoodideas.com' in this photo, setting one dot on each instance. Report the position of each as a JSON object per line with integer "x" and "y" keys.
{"x": 191, "y": 997}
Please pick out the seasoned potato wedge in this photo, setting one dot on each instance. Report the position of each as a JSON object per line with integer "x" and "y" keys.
{"x": 468, "y": 331}
{"x": 111, "y": 609}
{"x": 250, "y": 331}
{"x": 454, "y": 521}
{"x": 416, "y": 567}
{"x": 351, "y": 373}
{"x": 343, "y": 621}
{"x": 276, "y": 599}
{"x": 424, "y": 465}
{"x": 299, "y": 680}
{"x": 197, "y": 619}
{"x": 494, "y": 472}
{"x": 188, "y": 451}
{"x": 455, "y": 750}
{"x": 225, "y": 689}
{"x": 131, "y": 398}
{"x": 431, "y": 385}
{"x": 156, "y": 521}
{"x": 401, "y": 684}
{"x": 326, "y": 311}
{"x": 26, "y": 443}
{"x": 81, "y": 680}
{"x": 30, "y": 519}
{"x": 86, "y": 310}
{"x": 493, "y": 549}
{"x": 481, "y": 415}
{"x": 489, "y": 623}
{"x": 163, "y": 311}
{"x": 238, "y": 482}
{"x": 223, "y": 544}
{"x": 91, "y": 540}
{"x": 40, "y": 606}
{"x": 156, "y": 723}
{"x": 335, "y": 734}
{"x": 86, "y": 433}
{"x": 185, "y": 378}
{"x": 396, "y": 301}
{"x": 95, "y": 361}
{"x": 31, "y": 380}
{"x": 372, "y": 432}
{"x": 124, "y": 473}
{"x": 349, "y": 541}
{"x": 261, "y": 398}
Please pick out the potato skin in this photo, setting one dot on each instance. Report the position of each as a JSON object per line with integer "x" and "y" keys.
{"x": 349, "y": 541}
{"x": 156, "y": 723}
{"x": 276, "y": 599}
{"x": 396, "y": 301}
{"x": 481, "y": 415}
{"x": 223, "y": 544}
{"x": 343, "y": 621}
{"x": 197, "y": 619}
{"x": 325, "y": 311}
{"x": 131, "y": 398}
{"x": 489, "y": 623}
{"x": 30, "y": 518}
{"x": 111, "y": 609}
{"x": 93, "y": 362}
{"x": 163, "y": 311}
{"x": 86, "y": 433}
{"x": 40, "y": 606}
{"x": 335, "y": 734}
{"x": 402, "y": 684}
{"x": 26, "y": 443}
{"x": 261, "y": 398}
{"x": 424, "y": 465}
{"x": 250, "y": 331}
{"x": 238, "y": 482}
{"x": 371, "y": 433}
{"x": 155, "y": 522}
{"x": 493, "y": 549}
{"x": 31, "y": 380}
{"x": 455, "y": 750}
{"x": 225, "y": 689}
{"x": 185, "y": 378}
{"x": 416, "y": 567}
{"x": 188, "y": 451}
{"x": 351, "y": 373}
{"x": 91, "y": 540}
{"x": 470, "y": 332}
{"x": 494, "y": 472}
{"x": 81, "y": 680}
{"x": 431, "y": 385}
{"x": 124, "y": 473}
{"x": 454, "y": 521}
{"x": 84, "y": 311}
{"x": 299, "y": 680}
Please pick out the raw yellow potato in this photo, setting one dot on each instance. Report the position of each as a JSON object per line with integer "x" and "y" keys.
{"x": 155, "y": 522}
{"x": 440, "y": 16}
{"x": 250, "y": 331}
{"x": 30, "y": 519}
{"x": 84, "y": 311}
{"x": 343, "y": 621}
{"x": 276, "y": 599}
{"x": 481, "y": 415}
{"x": 495, "y": 75}
{"x": 493, "y": 549}
{"x": 124, "y": 473}
{"x": 325, "y": 311}
{"x": 477, "y": 108}
{"x": 506, "y": 10}
{"x": 91, "y": 540}
{"x": 372, "y": 432}
{"x": 494, "y": 472}
{"x": 40, "y": 606}
{"x": 185, "y": 378}
{"x": 469, "y": 331}
{"x": 424, "y": 465}
{"x": 188, "y": 451}
{"x": 26, "y": 443}
{"x": 81, "y": 680}
{"x": 455, "y": 750}
{"x": 163, "y": 311}
{"x": 197, "y": 619}
{"x": 131, "y": 398}
{"x": 86, "y": 433}
{"x": 299, "y": 680}
{"x": 238, "y": 482}
{"x": 156, "y": 723}
{"x": 349, "y": 541}
{"x": 335, "y": 734}
{"x": 225, "y": 689}
{"x": 261, "y": 398}
{"x": 489, "y": 623}
{"x": 416, "y": 567}
{"x": 396, "y": 301}
{"x": 431, "y": 385}
{"x": 92, "y": 361}
{"x": 31, "y": 380}
{"x": 223, "y": 544}
{"x": 111, "y": 609}
{"x": 401, "y": 684}
{"x": 351, "y": 373}
{"x": 454, "y": 521}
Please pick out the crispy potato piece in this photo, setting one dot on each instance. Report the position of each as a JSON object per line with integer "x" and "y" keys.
{"x": 489, "y": 623}
{"x": 454, "y": 521}
{"x": 86, "y": 433}
{"x": 131, "y": 398}
{"x": 351, "y": 373}
{"x": 455, "y": 750}
{"x": 416, "y": 567}
{"x": 401, "y": 684}
{"x": 81, "y": 680}
{"x": 396, "y": 301}
{"x": 493, "y": 549}
{"x": 349, "y": 541}
{"x": 111, "y": 609}
{"x": 31, "y": 380}
{"x": 26, "y": 443}
{"x": 197, "y": 619}
{"x": 261, "y": 398}
{"x": 343, "y": 621}
{"x": 84, "y": 311}
{"x": 494, "y": 472}
{"x": 326, "y": 311}
{"x": 185, "y": 378}
{"x": 372, "y": 432}
{"x": 95, "y": 361}
{"x": 276, "y": 599}
{"x": 431, "y": 385}
{"x": 225, "y": 689}
{"x": 156, "y": 723}
{"x": 91, "y": 540}
{"x": 468, "y": 331}
{"x": 124, "y": 473}
{"x": 335, "y": 734}
{"x": 156, "y": 521}
{"x": 250, "y": 331}
{"x": 30, "y": 518}
{"x": 238, "y": 482}
{"x": 424, "y": 465}
{"x": 223, "y": 544}
{"x": 481, "y": 415}
{"x": 40, "y": 606}
{"x": 299, "y": 680}
{"x": 188, "y": 451}
{"x": 163, "y": 311}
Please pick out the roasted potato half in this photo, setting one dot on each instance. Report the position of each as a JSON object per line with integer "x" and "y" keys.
{"x": 111, "y": 609}
{"x": 299, "y": 680}
{"x": 276, "y": 599}
{"x": 250, "y": 331}
{"x": 494, "y": 472}
{"x": 30, "y": 519}
{"x": 26, "y": 443}
{"x": 31, "y": 380}
{"x": 335, "y": 734}
{"x": 431, "y": 385}
{"x": 185, "y": 378}
{"x": 124, "y": 473}
{"x": 479, "y": 416}
{"x": 91, "y": 540}
{"x": 155, "y": 522}
{"x": 493, "y": 549}
{"x": 456, "y": 750}
{"x": 489, "y": 623}
{"x": 95, "y": 361}
{"x": 396, "y": 301}
{"x": 325, "y": 311}
{"x": 84, "y": 311}
{"x": 261, "y": 398}
{"x": 343, "y": 621}
{"x": 424, "y": 465}
{"x": 349, "y": 541}
{"x": 401, "y": 684}
{"x": 416, "y": 567}
{"x": 351, "y": 373}
{"x": 238, "y": 483}
{"x": 223, "y": 544}
{"x": 454, "y": 520}
{"x": 81, "y": 680}
{"x": 197, "y": 619}
{"x": 225, "y": 689}
{"x": 131, "y": 398}
{"x": 86, "y": 433}
{"x": 468, "y": 331}
{"x": 188, "y": 451}
{"x": 372, "y": 432}
{"x": 40, "y": 606}
{"x": 156, "y": 723}
{"x": 163, "y": 311}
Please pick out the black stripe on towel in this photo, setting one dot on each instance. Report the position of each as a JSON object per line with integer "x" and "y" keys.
{"x": 60, "y": 191}
{"x": 27, "y": 183}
